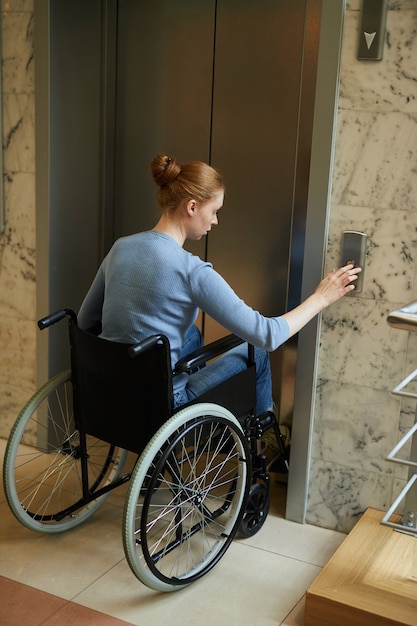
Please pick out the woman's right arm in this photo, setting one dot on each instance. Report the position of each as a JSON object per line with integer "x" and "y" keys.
{"x": 214, "y": 296}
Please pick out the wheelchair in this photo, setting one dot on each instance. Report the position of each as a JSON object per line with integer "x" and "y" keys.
{"x": 200, "y": 476}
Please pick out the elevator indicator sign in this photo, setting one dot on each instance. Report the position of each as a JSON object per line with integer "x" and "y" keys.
{"x": 371, "y": 35}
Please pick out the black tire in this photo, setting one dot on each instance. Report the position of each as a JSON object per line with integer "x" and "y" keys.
{"x": 185, "y": 498}
{"x": 256, "y": 510}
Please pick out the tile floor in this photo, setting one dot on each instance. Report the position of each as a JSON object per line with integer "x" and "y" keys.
{"x": 81, "y": 577}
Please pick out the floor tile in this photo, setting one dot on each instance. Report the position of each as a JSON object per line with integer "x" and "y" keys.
{"x": 23, "y": 605}
{"x": 296, "y": 617}
{"x": 298, "y": 541}
{"x": 249, "y": 586}
{"x": 62, "y": 564}
{"x": 72, "y": 614}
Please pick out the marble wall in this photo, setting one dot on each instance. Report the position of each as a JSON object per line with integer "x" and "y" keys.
{"x": 17, "y": 244}
{"x": 357, "y": 420}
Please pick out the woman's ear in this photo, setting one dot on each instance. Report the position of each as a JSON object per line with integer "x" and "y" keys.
{"x": 190, "y": 207}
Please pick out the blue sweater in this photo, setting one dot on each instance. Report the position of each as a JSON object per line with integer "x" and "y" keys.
{"x": 149, "y": 284}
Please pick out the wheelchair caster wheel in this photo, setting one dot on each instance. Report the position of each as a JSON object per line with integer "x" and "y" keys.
{"x": 257, "y": 507}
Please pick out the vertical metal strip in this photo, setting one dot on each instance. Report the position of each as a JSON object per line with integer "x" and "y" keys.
{"x": 203, "y": 315}
{"x": 108, "y": 125}
{"x": 325, "y": 108}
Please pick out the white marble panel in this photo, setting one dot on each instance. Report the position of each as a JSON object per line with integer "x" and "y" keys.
{"x": 12, "y": 399}
{"x": 19, "y": 132}
{"x": 398, "y": 486}
{"x": 391, "y": 256}
{"x": 375, "y": 160}
{"x": 407, "y": 415}
{"x": 18, "y": 353}
{"x": 386, "y": 85}
{"x": 18, "y": 283}
{"x": 18, "y": 367}
{"x": 358, "y": 347}
{"x": 17, "y": 249}
{"x": 17, "y": 5}
{"x": 408, "y": 407}
{"x": 17, "y": 245}
{"x": 355, "y": 426}
{"x": 411, "y": 360}
{"x": 18, "y": 50}
{"x": 339, "y": 495}
{"x": 398, "y": 5}
{"x": 401, "y": 471}
{"x": 19, "y": 191}
{"x": 393, "y": 5}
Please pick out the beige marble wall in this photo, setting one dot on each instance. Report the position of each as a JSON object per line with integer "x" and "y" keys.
{"x": 374, "y": 190}
{"x": 17, "y": 244}
{"x": 357, "y": 420}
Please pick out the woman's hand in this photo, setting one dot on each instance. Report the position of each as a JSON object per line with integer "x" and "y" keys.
{"x": 333, "y": 287}
{"x": 337, "y": 284}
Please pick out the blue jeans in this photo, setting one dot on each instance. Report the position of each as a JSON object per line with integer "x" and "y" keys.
{"x": 224, "y": 367}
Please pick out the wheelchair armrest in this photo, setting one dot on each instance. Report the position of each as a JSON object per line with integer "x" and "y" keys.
{"x": 206, "y": 353}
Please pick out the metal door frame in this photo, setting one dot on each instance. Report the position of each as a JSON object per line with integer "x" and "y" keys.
{"x": 318, "y": 209}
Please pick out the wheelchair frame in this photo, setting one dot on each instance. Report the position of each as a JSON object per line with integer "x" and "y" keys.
{"x": 200, "y": 477}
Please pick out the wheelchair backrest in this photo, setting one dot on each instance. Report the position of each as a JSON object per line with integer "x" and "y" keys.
{"x": 117, "y": 398}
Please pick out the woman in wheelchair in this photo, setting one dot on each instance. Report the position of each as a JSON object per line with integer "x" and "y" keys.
{"x": 200, "y": 474}
{"x": 149, "y": 284}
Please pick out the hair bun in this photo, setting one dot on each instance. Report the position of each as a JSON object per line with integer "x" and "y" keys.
{"x": 164, "y": 169}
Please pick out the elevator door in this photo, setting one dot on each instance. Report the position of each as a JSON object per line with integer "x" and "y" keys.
{"x": 218, "y": 81}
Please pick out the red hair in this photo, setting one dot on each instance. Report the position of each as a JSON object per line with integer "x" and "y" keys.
{"x": 191, "y": 181}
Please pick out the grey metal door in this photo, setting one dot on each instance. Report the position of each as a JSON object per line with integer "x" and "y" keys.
{"x": 219, "y": 81}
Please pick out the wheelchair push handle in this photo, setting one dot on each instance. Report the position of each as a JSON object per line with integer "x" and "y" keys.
{"x": 146, "y": 344}
{"x": 47, "y": 321}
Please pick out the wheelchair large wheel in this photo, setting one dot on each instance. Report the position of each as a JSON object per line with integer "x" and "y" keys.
{"x": 186, "y": 497}
{"x": 42, "y": 468}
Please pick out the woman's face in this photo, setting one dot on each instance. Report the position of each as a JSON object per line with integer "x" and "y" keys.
{"x": 205, "y": 216}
